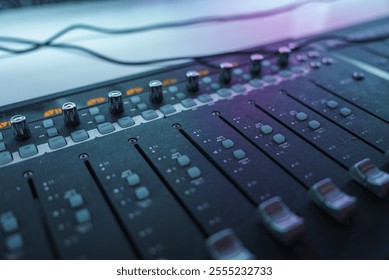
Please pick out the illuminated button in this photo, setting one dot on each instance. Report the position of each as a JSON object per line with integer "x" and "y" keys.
{"x": 345, "y": 111}
{"x": 167, "y": 109}
{"x": 224, "y": 245}
{"x": 51, "y": 132}
{"x": 48, "y": 123}
{"x": 224, "y": 92}
{"x": 180, "y": 95}
{"x": 105, "y": 128}
{"x": 332, "y": 104}
{"x": 246, "y": 77}
{"x": 285, "y": 73}
{"x": 28, "y": 151}
{"x": 206, "y": 80}
{"x": 94, "y": 111}
{"x": 301, "y": 116}
{"x": 141, "y": 106}
{"x": 149, "y": 115}
{"x": 126, "y": 122}
{"x": 1, "y": 136}
{"x": 204, "y": 98}
{"x": 228, "y": 143}
{"x": 188, "y": 103}
{"x": 133, "y": 180}
{"x": 172, "y": 89}
{"x": 333, "y": 201}
{"x": 194, "y": 172}
{"x": 9, "y": 223}
{"x": 14, "y": 242}
{"x": 5, "y": 157}
{"x": 237, "y": 71}
{"x": 371, "y": 177}
{"x": 238, "y": 88}
{"x": 215, "y": 86}
{"x": 142, "y": 192}
{"x": 135, "y": 99}
{"x": 239, "y": 154}
{"x": 269, "y": 79}
{"x": 280, "y": 220}
{"x": 279, "y": 139}
{"x": 2, "y": 147}
{"x": 79, "y": 135}
{"x": 297, "y": 69}
{"x": 256, "y": 83}
{"x": 266, "y": 129}
{"x": 99, "y": 119}
{"x": 76, "y": 201}
{"x": 83, "y": 216}
{"x": 57, "y": 142}
{"x": 183, "y": 160}
{"x": 314, "y": 124}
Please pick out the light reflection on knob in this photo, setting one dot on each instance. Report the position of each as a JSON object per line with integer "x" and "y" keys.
{"x": 192, "y": 81}
{"x": 115, "y": 102}
{"x": 256, "y": 64}
{"x": 156, "y": 93}
{"x": 20, "y": 128}
{"x": 70, "y": 114}
{"x": 225, "y": 72}
{"x": 283, "y": 56}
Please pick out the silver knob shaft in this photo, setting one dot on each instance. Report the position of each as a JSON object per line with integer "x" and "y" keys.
{"x": 20, "y": 127}
{"x": 70, "y": 114}
{"x": 256, "y": 64}
{"x": 115, "y": 102}
{"x": 192, "y": 81}
{"x": 283, "y": 56}
{"x": 156, "y": 94}
{"x": 226, "y": 72}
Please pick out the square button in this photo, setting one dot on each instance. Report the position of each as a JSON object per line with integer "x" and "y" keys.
{"x": 167, "y": 109}
{"x": 76, "y": 201}
{"x": 99, "y": 119}
{"x": 266, "y": 129}
{"x": 172, "y": 89}
{"x": 9, "y": 224}
{"x": 126, "y": 122}
{"x": 28, "y": 151}
{"x": 149, "y": 115}
{"x": 194, "y": 172}
{"x": 141, "y": 106}
{"x": 224, "y": 92}
{"x": 94, "y": 111}
{"x": 188, "y": 103}
{"x": 105, "y": 128}
{"x": 83, "y": 216}
{"x": 14, "y": 242}
{"x": 279, "y": 138}
{"x": 5, "y": 157}
{"x": 215, "y": 86}
{"x": 133, "y": 179}
{"x": 51, "y": 132}
{"x": 57, "y": 142}
{"x": 204, "y": 98}
{"x": 2, "y": 147}
{"x": 142, "y": 193}
{"x": 239, "y": 154}
{"x": 180, "y": 95}
{"x": 135, "y": 99}
{"x": 1, "y": 136}
{"x": 79, "y": 135}
{"x": 183, "y": 161}
{"x": 228, "y": 143}
{"x": 48, "y": 123}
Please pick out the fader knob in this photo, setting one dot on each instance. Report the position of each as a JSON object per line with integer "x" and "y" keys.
{"x": 225, "y": 72}
{"x": 70, "y": 114}
{"x": 283, "y": 56}
{"x": 192, "y": 81}
{"x": 156, "y": 94}
{"x": 256, "y": 64}
{"x": 20, "y": 127}
{"x": 115, "y": 102}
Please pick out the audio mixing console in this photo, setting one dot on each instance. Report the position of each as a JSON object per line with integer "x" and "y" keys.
{"x": 266, "y": 156}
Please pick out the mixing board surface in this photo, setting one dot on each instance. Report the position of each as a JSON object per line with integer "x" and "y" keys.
{"x": 243, "y": 156}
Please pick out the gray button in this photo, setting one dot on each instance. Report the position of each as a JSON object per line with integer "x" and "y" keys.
{"x": 28, "y": 151}
{"x": 105, "y": 128}
{"x": 246, "y": 77}
{"x": 237, "y": 71}
{"x": 238, "y": 88}
{"x": 57, "y": 142}
{"x": 314, "y": 124}
{"x": 228, "y": 143}
{"x": 94, "y": 111}
{"x": 14, "y": 242}
{"x": 172, "y": 89}
{"x": 149, "y": 115}
{"x": 239, "y": 154}
{"x": 48, "y": 123}
{"x": 126, "y": 122}
{"x": 141, "y": 106}
{"x": 83, "y": 216}
{"x": 266, "y": 63}
{"x": 51, "y": 132}
{"x": 279, "y": 138}
{"x": 256, "y": 83}
{"x": 206, "y": 80}
{"x": 1, "y": 136}
{"x": 167, "y": 109}
{"x": 188, "y": 103}
{"x": 183, "y": 161}
{"x": 266, "y": 129}
{"x": 345, "y": 111}
{"x": 76, "y": 201}
{"x": 301, "y": 116}
{"x": 215, "y": 86}
{"x": 99, "y": 119}
{"x": 9, "y": 224}
{"x": 194, "y": 172}
{"x": 133, "y": 179}
{"x": 332, "y": 104}
{"x": 204, "y": 98}
{"x": 5, "y": 157}
{"x": 285, "y": 73}
{"x": 224, "y": 92}
{"x": 135, "y": 99}
{"x": 269, "y": 79}
{"x": 79, "y": 135}
{"x": 142, "y": 193}
{"x": 2, "y": 146}
{"x": 297, "y": 69}
{"x": 180, "y": 95}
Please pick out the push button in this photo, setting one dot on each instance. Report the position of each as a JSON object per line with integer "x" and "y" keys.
{"x": 194, "y": 172}
{"x": 183, "y": 161}
{"x": 99, "y": 119}
{"x": 314, "y": 124}
{"x": 224, "y": 92}
{"x": 141, "y": 106}
{"x": 279, "y": 139}
{"x": 301, "y": 116}
{"x": 266, "y": 129}
{"x": 188, "y": 103}
{"x": 142, "y": 193}
{"x": 51, "y": 132}
{"x": 228, "y": 143}
{"x": 126, "y": 122}
{"x": 76, "y": 201}
{"x": 105, "y": 128}
{"x": 345, "y": 111}
{"x": 14, "y": 242}
{"x": 79, "y": 135}
{"x": 2, "y": 147}
{"x": 149, "y": 115}
{"x": 48, "y": 123}
{"x": 94, "y": 111}
{"x": 133, "y": 179}
{"x": 28, "y": 151}
{"x": 9, "y": 223}
{"x": 204, "y": 98}
{"x": 83, "y": 216}
{"x": 167, "y": 109}
{"x": 5, "y": 157}
{"x": 57, "y": 142}
{"x": 239, "y": 154}
{"x": 332, "y": 104}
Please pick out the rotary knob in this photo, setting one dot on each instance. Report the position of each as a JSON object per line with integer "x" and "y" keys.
{"x": 226, "y": 72}
{"x": 20, "y": 127}
{"x": 115, "y": 102}
{"x": 156, "y": 93}
{"x": 283, "y": 56}
{"x": 70, "y": 114}
{"x": 256, "y": 64}
{"x": 192, "y": 81}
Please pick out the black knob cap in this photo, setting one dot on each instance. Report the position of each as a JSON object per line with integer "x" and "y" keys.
{"x": 156, "y": 94}
{"x": 20, "y": 127}
{"x": 283, "y": 56}
{"x": 70, "y": 114}
{"x": 192, "y": 81}
{"x": 256, "y": 64}
{"x": 226, "y": 72}
{"x": 115, "y": 102}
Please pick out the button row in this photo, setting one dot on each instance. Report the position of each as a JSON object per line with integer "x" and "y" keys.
{"x": 10, "y": 227}
{"x": 141, "y": 192}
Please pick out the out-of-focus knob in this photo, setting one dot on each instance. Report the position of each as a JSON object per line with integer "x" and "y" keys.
{"x": 156, "y": 94}
{"x": 70, "y": 114}
{"x": 226, "y": 72}
{"x": 256, "y": 64}
{"x": 115, "y": 102}
{"x": 283, "y": 56}
{"x": 192, "y": 81}
{"x": 20, "y": 127}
